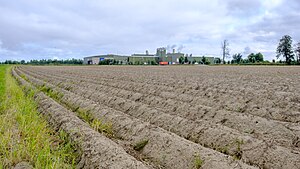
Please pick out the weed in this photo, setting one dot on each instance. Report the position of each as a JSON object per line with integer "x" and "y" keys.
{"x": 101, "y": 127}
{"x": 223, "y": 150}
{"x": 70, "y": 106}
{"x": 24, "y": 77}
{"x": 238, "y": 153}
{"x": 69, "y": 88}
{"x": 140, "y": 145}
{"x": 198, "y": 162}
{"x": 51, "y": 93}
{"x": 84, "y": 114}
{"x": 69, "y": 148}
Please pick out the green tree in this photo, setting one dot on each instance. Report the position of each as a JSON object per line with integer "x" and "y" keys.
{"x": 217, "y": 60}
{"x": 181, "y": 60}
{"x": 205, "y": 61}
{"x": 186, "y": 60}
{"x": 297, "y": 52}
{"x": 285, "y": 49}
{"x": 104, "y": 62}
{"x": 237, "y": 58}
{"x": 252, "y": 58}
{"x": 245, "y": 60}
{"x": 259, "y": 57}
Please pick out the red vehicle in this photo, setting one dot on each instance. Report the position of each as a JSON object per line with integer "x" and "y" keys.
{"x": 163, "y": 63}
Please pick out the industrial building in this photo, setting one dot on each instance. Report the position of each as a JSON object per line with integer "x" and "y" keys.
{"x": 161, "y": 57}
{"x": 94, "y": 60}
{"x": 145, "y": 58}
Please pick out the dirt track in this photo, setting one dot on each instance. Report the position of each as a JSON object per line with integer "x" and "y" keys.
{"x": 248, "y": 113}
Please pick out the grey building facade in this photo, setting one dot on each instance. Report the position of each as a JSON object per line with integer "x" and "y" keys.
{"x": 146, "y": 58}
{"x": 94, "y": 60}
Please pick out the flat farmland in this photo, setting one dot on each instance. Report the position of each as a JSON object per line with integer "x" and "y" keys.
{"x": 173, "y": 116}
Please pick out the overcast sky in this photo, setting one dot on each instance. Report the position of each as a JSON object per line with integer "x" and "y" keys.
{"x": 47, "y": 29}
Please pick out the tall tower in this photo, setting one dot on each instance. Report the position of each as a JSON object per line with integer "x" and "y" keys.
{"x": 161, "y": 52}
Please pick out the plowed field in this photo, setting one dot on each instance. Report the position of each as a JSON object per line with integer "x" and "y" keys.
{"x": 173, "y": 116}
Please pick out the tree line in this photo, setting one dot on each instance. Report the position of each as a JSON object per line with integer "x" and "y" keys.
{"x": 46, "y": 62}
{"x": 285, "y": 49}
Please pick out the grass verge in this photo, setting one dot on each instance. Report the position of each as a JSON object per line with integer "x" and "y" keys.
{"x": 24, "y": 135}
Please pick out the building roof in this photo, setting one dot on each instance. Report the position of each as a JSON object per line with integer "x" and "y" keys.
{"x": 108, "y": 55}
{"x": 142, "y": 55}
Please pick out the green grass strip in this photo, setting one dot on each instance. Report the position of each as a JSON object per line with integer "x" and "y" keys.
{"x": 24, "y": 135}
{"x": 2, "y": 81}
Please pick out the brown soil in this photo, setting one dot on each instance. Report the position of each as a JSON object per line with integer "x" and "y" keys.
{"x": 97, "y": 150}
{"x": 231, "y": 110}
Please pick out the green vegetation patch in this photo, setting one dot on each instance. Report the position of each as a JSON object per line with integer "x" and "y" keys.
{"x": 2, "y": 80}
{"x": 101, "y": 127}
{"x": 53, "y": 94}
{"x": 140, "y": 145}
{"x": 24, "y": 135}
{"x": 238, "y": 152}
{"x": 198, "y": 162}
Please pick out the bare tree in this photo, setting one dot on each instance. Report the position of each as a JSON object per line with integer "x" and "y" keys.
{"x": 225, "y": 50}
{"x": 297, "y": 52}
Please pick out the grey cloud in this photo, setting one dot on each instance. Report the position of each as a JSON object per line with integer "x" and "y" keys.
{"x": 243, "y": 8}
{"x": 247, "y": 50}
{"x": 75, "y": 28}
{"x": 282, "y": 20}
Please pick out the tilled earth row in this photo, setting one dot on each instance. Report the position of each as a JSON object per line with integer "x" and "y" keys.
{"x": 164, "y": 148}
{"x": 97, "y": 150}
{"x": 282, "y": 133}
{"x": 267, "y": 143}
{"x": 267, "y": 92}
{"x": 278, "y": 105}
{"x": 223, "y": 139}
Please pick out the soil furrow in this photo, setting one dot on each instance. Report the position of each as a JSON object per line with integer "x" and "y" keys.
{"x": 168, "y": 149}
{"x": 255, "y": 126}
{"x": 206, "y": 98}
{"x": 207, "y": 133}
{"x": 98, "y": 151}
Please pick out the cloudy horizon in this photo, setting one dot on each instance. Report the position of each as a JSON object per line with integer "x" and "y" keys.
{"x": 53, "y": 29}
